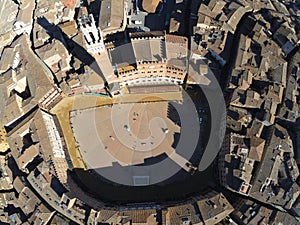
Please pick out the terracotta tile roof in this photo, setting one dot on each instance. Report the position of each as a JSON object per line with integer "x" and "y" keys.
{"x": 28, "y": 155}
{"x": 150, "y": 5}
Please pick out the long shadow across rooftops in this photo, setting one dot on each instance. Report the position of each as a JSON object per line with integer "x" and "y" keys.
{"x": 73, "y": 48}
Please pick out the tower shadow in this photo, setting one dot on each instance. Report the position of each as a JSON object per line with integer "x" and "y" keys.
{"x": 73, "y": 48}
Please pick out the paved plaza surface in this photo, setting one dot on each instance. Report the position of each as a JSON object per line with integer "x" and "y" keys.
{"x": 80, "y": 102}
{"x": 122, "y": 135}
